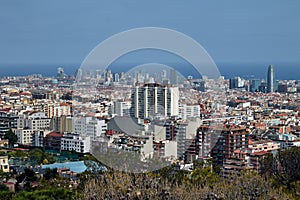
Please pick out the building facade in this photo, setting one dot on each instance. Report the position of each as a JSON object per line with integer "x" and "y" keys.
{"x": 153, "y": 99}
{"x": 89, "y": 126}
{"x": 4, "y": 166}
{"x": 270, "y": 79}
{"x": 53, "y": 141}
{"x": 74, "y": 142}
{"x": 122, "y": 108}
{"x": 24, "y": 136}
{"x": 7, "y": 120}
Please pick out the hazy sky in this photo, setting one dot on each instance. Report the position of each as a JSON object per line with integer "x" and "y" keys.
{"x": 59, "y": 32}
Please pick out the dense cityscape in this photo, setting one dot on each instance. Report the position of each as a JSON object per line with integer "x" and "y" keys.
{"x": 149, "y": 100}
{"x": 132, "y": 120}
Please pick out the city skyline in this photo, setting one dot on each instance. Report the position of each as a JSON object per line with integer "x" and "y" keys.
{"x": 259, "y": 71}
{"x": 258, "y": 36}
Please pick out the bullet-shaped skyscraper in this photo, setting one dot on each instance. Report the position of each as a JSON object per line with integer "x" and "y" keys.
{"x": 270, "y": 79}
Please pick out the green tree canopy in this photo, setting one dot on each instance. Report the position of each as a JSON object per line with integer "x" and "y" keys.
{"x": 11, "y": 137}
{"x": 3, "y": 187}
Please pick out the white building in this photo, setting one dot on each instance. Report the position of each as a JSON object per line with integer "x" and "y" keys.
{"x": 4, "y": 166}
{"x": 153, "y": 99}
{"x": 89, "y": 126}
{"x": 171, "y": 150}
{"x": 70, "y": 142}
{"x": 122, "y": 108}
{"x": 39, "y": 124}
{"x": 189, "y": 111}
{"x": 165, "y": 149}
{"x": 24, "y": 136}
{"x": 57, "y": 110}
{"x": 33, "y": 120}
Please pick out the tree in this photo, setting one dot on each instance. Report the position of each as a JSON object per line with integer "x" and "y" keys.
{"x": 204, "y": 177}
{"x": 40, "y": 156}
{"x": 120, "y": 185}
{"x": 283, "y": 169}
{"x": 11, "y": 137}
{"x": 50, "y": 173}
{"x": 289, "y": 161}
{"x": 37, "y": 155}
{"x": 3, "y": 187}
{"x": 6, "y": 194}
{"x": 54, "y": 193}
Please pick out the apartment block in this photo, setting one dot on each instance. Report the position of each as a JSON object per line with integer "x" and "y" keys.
{"x": 75, "y": 142}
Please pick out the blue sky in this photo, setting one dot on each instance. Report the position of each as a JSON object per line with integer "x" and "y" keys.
{"x": 56, "y": 32}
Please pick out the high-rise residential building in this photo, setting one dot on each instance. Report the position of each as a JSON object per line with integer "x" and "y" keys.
{"x": 108, "y": 76}
{"x": 270, "y": 79}
{"x": 220, "y": 142}
{"x": 176, "y": 132}
{"x": 153, "y": 99}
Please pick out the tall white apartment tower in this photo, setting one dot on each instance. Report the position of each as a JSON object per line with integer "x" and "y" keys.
{"x": 153, "y": 99}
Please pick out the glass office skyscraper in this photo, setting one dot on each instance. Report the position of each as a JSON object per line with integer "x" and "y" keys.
{"x": 270, "y": 79}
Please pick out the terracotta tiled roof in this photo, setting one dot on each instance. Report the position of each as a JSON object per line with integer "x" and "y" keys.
{"x": 54, "y": 134}
{"x": 260, "y": 153}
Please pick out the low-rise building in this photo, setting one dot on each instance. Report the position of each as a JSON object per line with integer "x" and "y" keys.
{"x": 53, "y": 141}
{"x": 4, "y": 166}
{"x": 3, "y": 143}
{"x": 75, "y": 142}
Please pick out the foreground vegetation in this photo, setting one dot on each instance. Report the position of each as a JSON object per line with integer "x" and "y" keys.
{"x": 279, "y": 179}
